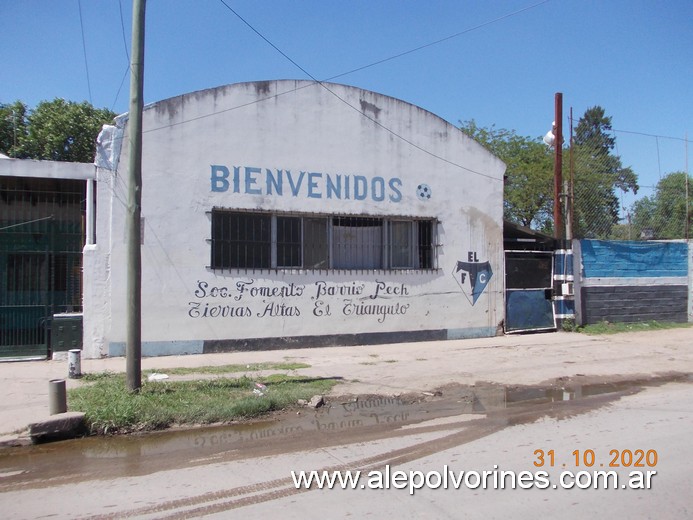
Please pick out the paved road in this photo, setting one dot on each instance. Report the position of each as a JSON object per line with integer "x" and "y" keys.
{"x": 492, "y": 414}
{"x": 396, "y": 368}
{"x": 229, "y": 473}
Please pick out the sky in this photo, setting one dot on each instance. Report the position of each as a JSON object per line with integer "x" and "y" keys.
{"x": 497, "y": 62}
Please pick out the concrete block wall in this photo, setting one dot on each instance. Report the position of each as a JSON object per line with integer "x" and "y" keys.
{"x": 629, "y": 281}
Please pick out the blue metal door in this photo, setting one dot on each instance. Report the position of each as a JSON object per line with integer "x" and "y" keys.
{"x": 528, "y": 291}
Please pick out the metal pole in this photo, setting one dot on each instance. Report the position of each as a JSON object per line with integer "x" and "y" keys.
{"x": 558, "y": 168}
{"x": 688, "y": 209}
{"x": 569, "y": 187}
{"x": 133, "y": 346}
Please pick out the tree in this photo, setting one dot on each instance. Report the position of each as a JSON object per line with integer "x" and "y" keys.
{"x": 597, "y": 175}
{"x": 528, "y": 197}
{"x": 55, "y": 130}
{"x": 12, "y": 127}
{"x": 664, "y": 214}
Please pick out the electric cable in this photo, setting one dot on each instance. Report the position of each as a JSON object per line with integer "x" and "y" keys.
{"x": 84, "y": 48}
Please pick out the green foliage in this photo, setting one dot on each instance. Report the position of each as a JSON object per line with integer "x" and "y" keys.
{"x": 55, "y": 130}
{"x": 13, "y": 129}
{"x": 664, "y": 214}
{"x": 605, "y": 327}
{"x": 597, "y": 174}
{"x": 591, "y": 130}
{"x": 528, "y": 198}
{"x": 569, "y": 325}
{"x": 111, "y": 408}
{"x": 230, "y": 369}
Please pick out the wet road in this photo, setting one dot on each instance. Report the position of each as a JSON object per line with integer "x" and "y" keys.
{"x": 244, "y": 469}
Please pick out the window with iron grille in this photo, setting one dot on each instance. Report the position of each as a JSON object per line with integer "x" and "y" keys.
{"x": 241, "y": 240}
{"x": 258, "y": 240}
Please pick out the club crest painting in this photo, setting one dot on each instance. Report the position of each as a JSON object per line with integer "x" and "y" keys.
{"x": 295, "y": 213}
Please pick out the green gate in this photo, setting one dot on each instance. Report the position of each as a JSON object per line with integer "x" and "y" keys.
{"x": 41, "y": 240}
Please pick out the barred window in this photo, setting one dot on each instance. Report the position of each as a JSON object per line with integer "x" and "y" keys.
{"x": 289, "y": 239}
{"x": 315, "y": 243}
{"x": 357, "y": 242}
{"x": 426, "y": 246}
{"x": 242, "y": 240}
{"x": 401, "y": 251}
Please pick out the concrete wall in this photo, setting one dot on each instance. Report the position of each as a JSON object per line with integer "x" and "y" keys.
{"x": 251, "y": 131}
{"x": 632, "y": 281}
{"x": 46, "y": 169}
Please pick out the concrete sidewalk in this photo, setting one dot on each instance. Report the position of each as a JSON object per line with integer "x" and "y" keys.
{"x": 391, "y": 369}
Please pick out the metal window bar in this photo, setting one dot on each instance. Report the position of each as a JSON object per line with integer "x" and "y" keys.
{"x": 425, "y": 247}
{"x": 288, "y": 242}
{"x": 316, "y": 244}
{"x": 358, "y": 242}
{"x": 262, "y": 240}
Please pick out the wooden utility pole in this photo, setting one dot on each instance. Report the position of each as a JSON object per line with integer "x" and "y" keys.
{"x": 133, "y": 345}
{"x": 558, "y": 168}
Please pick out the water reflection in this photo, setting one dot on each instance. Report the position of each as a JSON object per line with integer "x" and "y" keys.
{"x": 131, "y": 455}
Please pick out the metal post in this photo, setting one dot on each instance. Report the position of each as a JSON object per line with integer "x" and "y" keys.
{"x": 558, "y": 168}
{"x": 57, "y": 396}
{"x": 688, "y": 209}
{"x": 133, "y": 346}
{"x": 90, "y": 216}
{"x": 569, "y": 187}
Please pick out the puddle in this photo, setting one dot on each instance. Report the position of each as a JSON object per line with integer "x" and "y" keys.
{"x": 341, "y": 421}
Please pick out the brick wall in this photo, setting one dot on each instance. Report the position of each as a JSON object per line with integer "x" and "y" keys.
{"x": 631, "y": 281}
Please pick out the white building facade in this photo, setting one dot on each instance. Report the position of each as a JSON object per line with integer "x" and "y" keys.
{"x": 294, "y": 213}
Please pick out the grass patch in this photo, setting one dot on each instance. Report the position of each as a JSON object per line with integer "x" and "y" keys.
{"x": 110, "y": 408}
{"x": 605, "y": 327}
{"x": 230, "y": 369}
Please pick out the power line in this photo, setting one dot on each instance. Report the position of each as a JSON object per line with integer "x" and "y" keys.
{"x": 122, "y": 82}
{"x": 269, "y": 42}
{"x": 84, "y": 48}
{"x": 684, "y": 139}
{"x": 122, "y": 28}
{"x": 431, "y": 44}
{"x": 127, "y": 54}
{"x": 322, "y": 84}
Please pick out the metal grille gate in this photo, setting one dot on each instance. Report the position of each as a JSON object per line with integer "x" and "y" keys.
{"x": 41, "y": 240}
{"x": 528, "y": 291}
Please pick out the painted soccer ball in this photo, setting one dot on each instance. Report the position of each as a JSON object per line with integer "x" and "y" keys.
{"x": 423, "y": 191}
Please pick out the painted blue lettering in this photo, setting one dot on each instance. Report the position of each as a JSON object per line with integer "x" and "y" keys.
{"x": 378, "y": 189}
{"x": 318, "y": 185}
{"x": 313, "y": 192}
{"x": 251, "y": 180}
{"x": 332, "y": 188}
{"x": 360, "y": 187}
{"x": 236, "y": 179}
{"x": 395, "y": 184}
{"x": 220, "y": 176}
{"x": 276, "y": 182}
{"x": 295, "y": 187}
